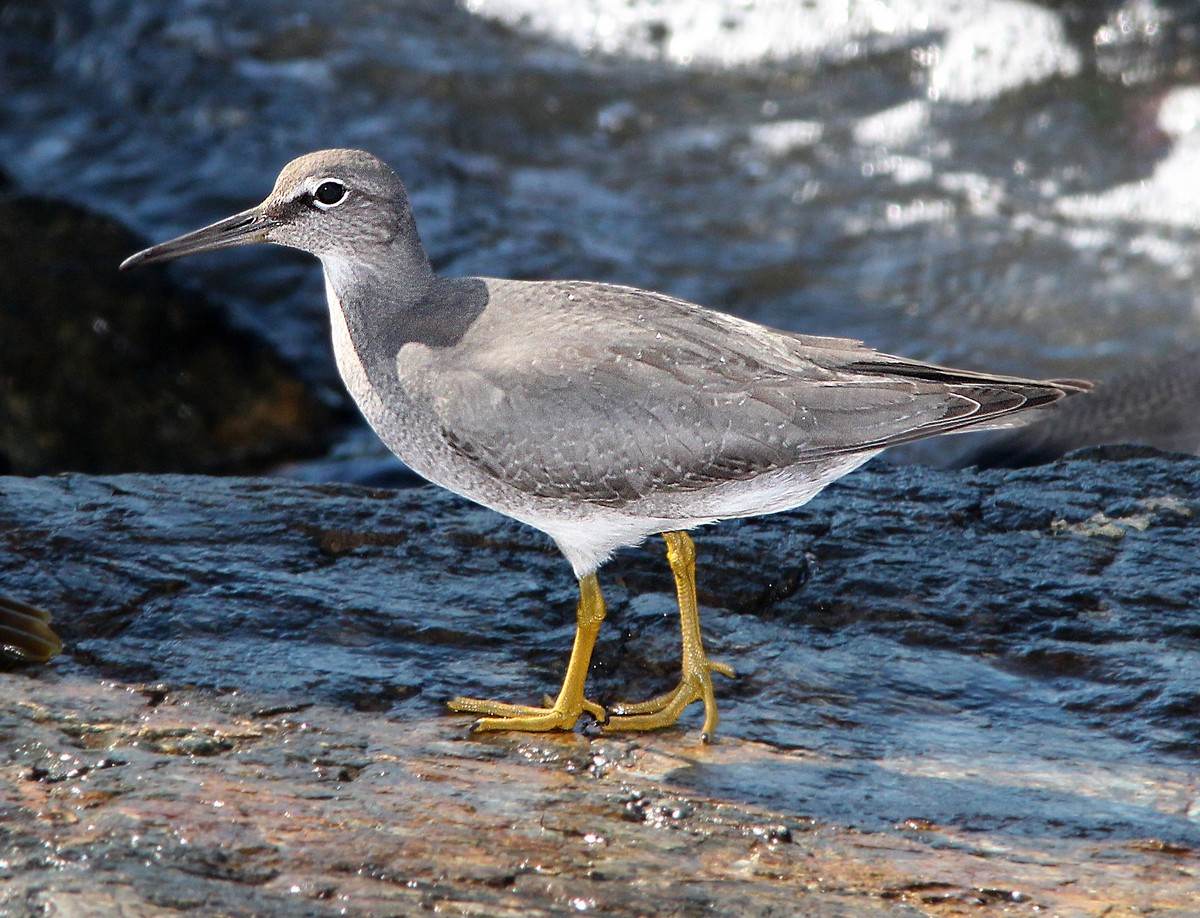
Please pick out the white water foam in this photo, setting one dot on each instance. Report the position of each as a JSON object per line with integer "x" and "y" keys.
{"x": 978, "y": 48}
{"x": 1170, "y": 196}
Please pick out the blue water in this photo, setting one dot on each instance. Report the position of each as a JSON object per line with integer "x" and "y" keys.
{"x": 841, "y": 184}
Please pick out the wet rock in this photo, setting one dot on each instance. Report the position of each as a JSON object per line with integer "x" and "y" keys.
{"x": 101, "y": 371}
{"x": 956, "y": 690}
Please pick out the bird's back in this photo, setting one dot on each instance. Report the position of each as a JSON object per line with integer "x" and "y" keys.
{"x": 588, "y": 392}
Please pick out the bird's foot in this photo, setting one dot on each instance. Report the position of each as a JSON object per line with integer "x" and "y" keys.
{"x": 25, "y": 632}
{"x": 558, "y": 713}
{"x": 555, "y": 715}
{"x": 664, "y": 710}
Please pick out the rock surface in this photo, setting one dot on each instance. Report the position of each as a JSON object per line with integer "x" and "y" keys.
{"x": 959, "y": 693}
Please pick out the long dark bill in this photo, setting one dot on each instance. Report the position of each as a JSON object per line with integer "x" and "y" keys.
{"x": 240, "y": 229}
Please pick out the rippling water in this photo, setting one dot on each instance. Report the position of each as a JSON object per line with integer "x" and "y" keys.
{"x": 992, "y": 182}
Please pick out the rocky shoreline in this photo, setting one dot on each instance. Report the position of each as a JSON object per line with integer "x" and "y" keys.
{"x": 958, "y": 693}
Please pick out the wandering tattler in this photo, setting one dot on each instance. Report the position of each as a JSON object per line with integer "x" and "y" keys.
{"x": 597, "y": 413}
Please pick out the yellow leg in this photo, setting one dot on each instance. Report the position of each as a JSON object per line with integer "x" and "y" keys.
{"x": 696, "y": 683}
{"x": 562, "y": 714}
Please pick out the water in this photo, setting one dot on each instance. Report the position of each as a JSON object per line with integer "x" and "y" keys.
{"x": 987, "y": 182}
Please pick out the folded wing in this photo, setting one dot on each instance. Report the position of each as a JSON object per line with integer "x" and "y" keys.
{"x": 616, "y": 393}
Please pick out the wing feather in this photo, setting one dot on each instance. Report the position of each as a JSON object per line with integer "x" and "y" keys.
{"x": 609, "y": 394}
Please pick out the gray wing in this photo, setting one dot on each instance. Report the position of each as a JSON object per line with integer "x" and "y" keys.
{"x": 609, "y": 394}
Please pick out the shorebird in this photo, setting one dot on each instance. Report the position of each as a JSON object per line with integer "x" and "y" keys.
{"x": 597, "y": 413}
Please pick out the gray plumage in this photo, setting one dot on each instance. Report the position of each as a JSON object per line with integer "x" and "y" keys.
{"x": 598, "y": 413}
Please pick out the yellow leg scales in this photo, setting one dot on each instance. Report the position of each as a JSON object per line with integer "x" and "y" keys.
{"x": 696, "y": 683}
{"x": 565, "y": 710}
{"x": 662, "y": 711}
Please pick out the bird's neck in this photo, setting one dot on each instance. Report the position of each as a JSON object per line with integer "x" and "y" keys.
{"x": 380, "y": 306}
{"x": 376, "y": 294}
{"x": 397, "y": 275}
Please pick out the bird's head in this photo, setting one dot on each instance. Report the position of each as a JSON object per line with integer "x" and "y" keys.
{"x": 335, "y": 204}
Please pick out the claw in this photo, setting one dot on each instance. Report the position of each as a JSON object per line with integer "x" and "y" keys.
{"x": 665, "y": 709}
{"x": 527, "y": 718}
{"x": 560, "y": 713}
{"x": 696, "y": 682}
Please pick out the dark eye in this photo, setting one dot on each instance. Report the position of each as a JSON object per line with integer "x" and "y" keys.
{"x": 329, "y": 193}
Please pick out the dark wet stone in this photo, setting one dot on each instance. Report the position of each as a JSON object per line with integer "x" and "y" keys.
{"x": 954, "y": 688}
{"x": 101, "y": 371}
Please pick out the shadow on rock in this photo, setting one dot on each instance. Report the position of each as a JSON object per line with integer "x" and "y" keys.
{"x": 1152, "y": 404}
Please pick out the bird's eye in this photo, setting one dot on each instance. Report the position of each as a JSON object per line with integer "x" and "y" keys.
{"x": 329, "y": 193}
